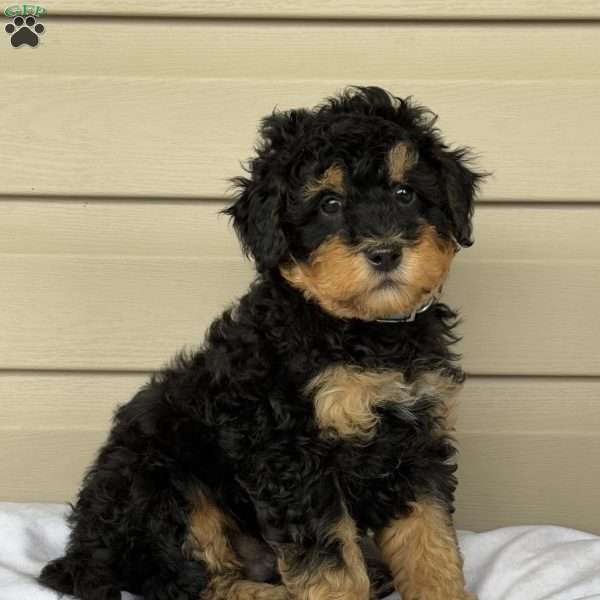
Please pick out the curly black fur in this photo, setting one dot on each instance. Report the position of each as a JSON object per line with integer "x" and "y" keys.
{"x": 232, "y": 419}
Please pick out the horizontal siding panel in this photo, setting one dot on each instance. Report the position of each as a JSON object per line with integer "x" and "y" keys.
{"x": 82, "y": 401}
{"x": 545, "y": 233}
{"x": 50, "y": 464}
{"x": 336, "y": 9}
{"x": 505, "y": 479}
{"x": 530, "y": 405}
{"x": 526, "y": 317}
{"x": 72, "y": 312}
{"x": 528, "y": 479}
{"x": 158, "y": 228}
{"x": 63, "y": 400}
{"x": 110, "y": 313}
{"x": 257, "y": 50}
{"x": 119, "y": 228}
{"x": 183, "y": 138}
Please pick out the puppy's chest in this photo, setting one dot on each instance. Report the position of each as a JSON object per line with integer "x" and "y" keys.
{"x": 350, "y": 402}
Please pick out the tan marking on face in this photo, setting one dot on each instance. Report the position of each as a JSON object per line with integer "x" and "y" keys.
{"x": 400, "y": 160}
{"x": 346, "y": 397}
{"x": 340, "y": 279}
{"x": 425, "y": 265}
{"x": 422, "y": 554}
{"x": 325, "y": 582}
{"x": 332, "y": 179}
{"x": 208, "y": 536}
{"x": 335, "y": 276}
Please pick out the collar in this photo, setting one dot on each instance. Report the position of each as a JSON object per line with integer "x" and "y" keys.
{"x": 409, "y": 318}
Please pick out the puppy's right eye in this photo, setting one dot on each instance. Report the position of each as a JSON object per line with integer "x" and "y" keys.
{"x": 331, "y": 205}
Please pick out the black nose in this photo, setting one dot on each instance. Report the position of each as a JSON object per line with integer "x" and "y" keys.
{"x": 384, "y": 260}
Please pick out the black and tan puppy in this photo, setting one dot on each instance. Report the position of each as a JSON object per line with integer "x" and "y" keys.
{"x": 319, "y": 409}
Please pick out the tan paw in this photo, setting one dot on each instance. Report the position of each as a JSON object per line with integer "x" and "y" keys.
{"x": 248, "y": 590}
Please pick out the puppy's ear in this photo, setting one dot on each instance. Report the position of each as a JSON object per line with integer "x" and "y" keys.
{"x": 260, "y": 204}
{"x": 257, "y": 221}
{"x": 461, "y": 185}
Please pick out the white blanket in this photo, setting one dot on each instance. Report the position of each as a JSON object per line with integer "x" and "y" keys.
{"x": 515, "y": 563}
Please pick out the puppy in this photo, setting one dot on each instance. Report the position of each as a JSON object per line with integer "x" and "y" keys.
{"x": 319, "y": 410}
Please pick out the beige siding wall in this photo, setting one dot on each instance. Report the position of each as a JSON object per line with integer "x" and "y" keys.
{"x": 118, "y": 135}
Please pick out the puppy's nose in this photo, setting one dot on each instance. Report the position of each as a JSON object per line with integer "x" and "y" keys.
{"x": 384, "y": 260}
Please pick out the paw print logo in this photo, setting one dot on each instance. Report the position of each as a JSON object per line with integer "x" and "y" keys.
{"x": 24, "y": 31}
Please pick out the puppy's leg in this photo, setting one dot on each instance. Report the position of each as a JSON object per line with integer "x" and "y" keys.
{"x": 301, "y": 513}
{"x": 210, "y": 541}
{"x": 422, "y": 553}
{"x": 126, "y": 534}
{"x": 332, "y": 569}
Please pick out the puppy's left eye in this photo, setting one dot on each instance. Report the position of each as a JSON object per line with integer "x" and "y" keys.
{"x": 331, "y": 205}
{"x": 404, "y": 194}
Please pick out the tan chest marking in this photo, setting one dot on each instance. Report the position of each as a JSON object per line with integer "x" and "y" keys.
{"x": 346, "y": 397}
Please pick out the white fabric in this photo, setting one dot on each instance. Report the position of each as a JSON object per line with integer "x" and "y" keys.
{"x": 515, "y": 563}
